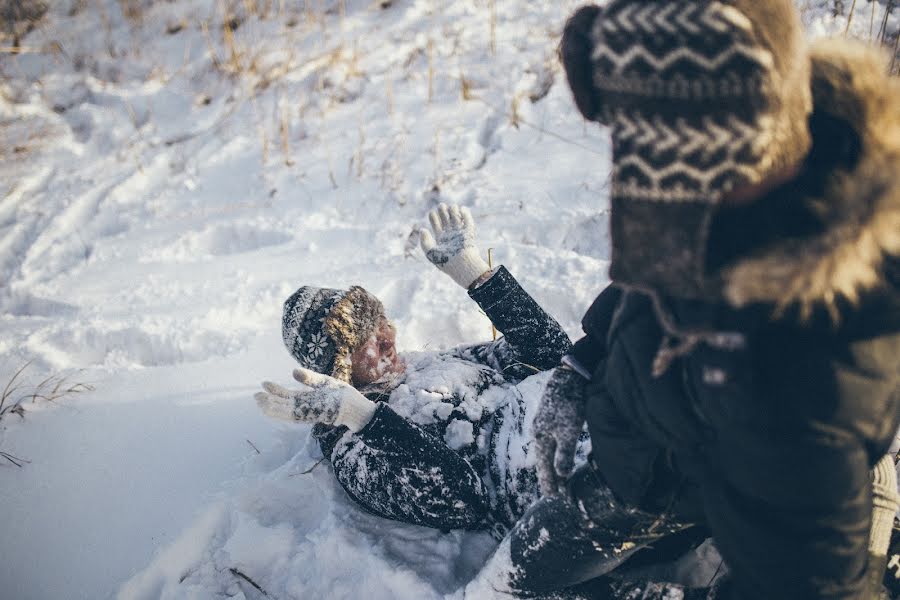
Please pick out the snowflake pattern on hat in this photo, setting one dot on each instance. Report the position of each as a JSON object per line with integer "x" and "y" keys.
{"x": 317, "y": 345}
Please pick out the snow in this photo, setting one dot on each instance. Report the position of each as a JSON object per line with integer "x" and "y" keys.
{"x": 161, "y": 194}
{"x": 459, "y": 434}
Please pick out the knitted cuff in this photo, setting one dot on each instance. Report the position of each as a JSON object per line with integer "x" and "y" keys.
{"x": 885, "y": 502}
{"x": 355, "y": 411}
{"x": 465, "y": 267}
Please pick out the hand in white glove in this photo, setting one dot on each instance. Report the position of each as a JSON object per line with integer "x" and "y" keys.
{"x": 326, "y": 400}
{"x": 557, "y": 426}
{"x": 452, "y": 248}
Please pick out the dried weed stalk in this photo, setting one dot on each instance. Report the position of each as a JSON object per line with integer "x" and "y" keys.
{"x": 18, "y": 390}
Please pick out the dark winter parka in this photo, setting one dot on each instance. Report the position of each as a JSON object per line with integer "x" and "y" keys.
{"x": 449, "y": 443}
{"x": 767, "y": 433}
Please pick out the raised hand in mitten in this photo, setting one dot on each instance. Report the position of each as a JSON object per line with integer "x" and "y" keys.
{"x": 324, "y": 400}
{"x": 452, "y": 248}
{"x": 557, "y": 426}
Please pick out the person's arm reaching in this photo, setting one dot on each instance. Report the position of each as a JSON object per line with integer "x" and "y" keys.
{"x": 532, "y": 340}
{"x": 561, "y": 413}
{"x": 452, "y": 247}
{"x": 393, "y": 468}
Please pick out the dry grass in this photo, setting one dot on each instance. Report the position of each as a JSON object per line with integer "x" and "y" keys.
{"x": 236, "y": 49}
{"x": 430, "y": 54}
{"x": 284, "y": 130}
{"x": 878, "y": 30}
{"x": 18, "y": 17}
{"x": 20, "y": 391}
{"x": 492, "y": 9}
{"x": 515, "y": 119}
{"x": 15, "y": 460}
{"x": 850, "y": 17}
{"x": 896, "y": 52}
{"x": 23, "y": 137}
{"x": 465, "y": 88}
{"x": 882, "y": 30}
{"x": 133, "y": 10}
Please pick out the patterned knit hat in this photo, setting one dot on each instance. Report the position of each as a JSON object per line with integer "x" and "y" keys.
{"x": 321, "y": 327}
{"x": 703, "y": 97}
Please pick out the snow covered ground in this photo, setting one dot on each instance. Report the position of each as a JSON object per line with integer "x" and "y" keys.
{"x": 167, "y": 180}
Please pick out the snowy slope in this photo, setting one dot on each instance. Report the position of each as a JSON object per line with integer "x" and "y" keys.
{"x": 166, "y": 181}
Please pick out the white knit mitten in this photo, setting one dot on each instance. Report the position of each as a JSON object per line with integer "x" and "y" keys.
{"x": 326, "y": 400}
{"x": 452, "y": 248}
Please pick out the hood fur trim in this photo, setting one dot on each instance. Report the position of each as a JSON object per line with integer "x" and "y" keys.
{"x": 860, "y": 209}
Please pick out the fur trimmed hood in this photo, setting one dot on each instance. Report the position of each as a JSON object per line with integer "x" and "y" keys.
{"x": 859, "y": 209}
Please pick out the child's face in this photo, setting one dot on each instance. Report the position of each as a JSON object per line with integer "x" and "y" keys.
{"x": 376, "y": 357}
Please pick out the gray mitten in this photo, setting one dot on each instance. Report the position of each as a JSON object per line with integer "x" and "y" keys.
{"x": 557, "y": 426}
{"x": 325, "y": 400}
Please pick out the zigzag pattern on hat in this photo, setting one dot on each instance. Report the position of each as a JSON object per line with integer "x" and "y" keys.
{"x": 672, "y": 17}
{"x": 710, "y": 136}
{"x": 682, "y": 88}
{"x": 686, "y": 87}
{"x": 697, "y": 159}
{"x": 663, "y": 62}
{"x": 683, "y": 49}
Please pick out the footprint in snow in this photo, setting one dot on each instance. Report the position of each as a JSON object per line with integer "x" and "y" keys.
{"x": 220, "y": 240}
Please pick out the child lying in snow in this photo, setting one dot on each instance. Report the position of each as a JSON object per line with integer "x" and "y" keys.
{"x": 440, "y": 439}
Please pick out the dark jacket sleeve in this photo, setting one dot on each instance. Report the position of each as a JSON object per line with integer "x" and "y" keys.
{"x": 590, "y": 350}
{"x": 532, "y": 340}
{"x": 397, "y": 470}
